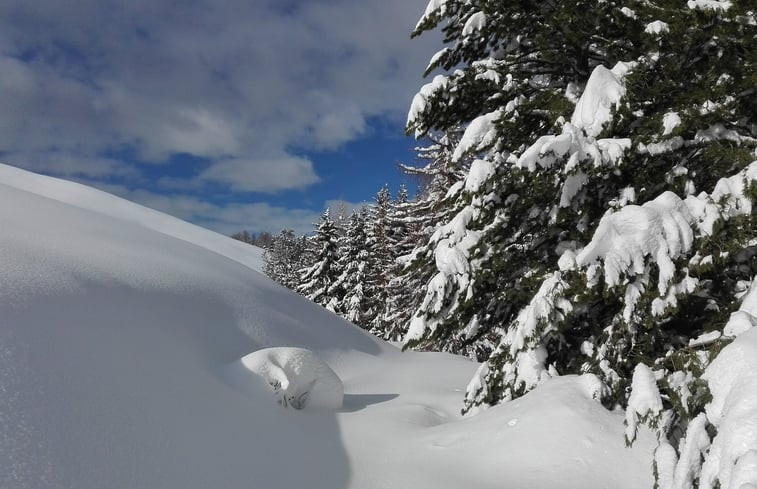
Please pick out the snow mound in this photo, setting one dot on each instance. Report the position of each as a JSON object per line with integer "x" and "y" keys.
{"x": 88, "y": 198}
{"x": 732, "y": 377}
{"x": 298, "y": 377}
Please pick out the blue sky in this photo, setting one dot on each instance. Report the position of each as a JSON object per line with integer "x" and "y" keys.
{"x": 234, "y": 114}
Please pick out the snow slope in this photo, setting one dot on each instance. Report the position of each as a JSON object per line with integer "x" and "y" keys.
{"x": 118, "y": 330}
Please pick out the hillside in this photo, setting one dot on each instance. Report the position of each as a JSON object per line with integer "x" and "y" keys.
{"x": 120, "y": 330}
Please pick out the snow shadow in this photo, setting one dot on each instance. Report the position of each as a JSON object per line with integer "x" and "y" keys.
{"x": 358, "y": 402}
{"x": 303, "y": 323}
{"x": 115, "y": 387}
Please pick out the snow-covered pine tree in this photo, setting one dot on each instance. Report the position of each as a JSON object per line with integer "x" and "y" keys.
{"x": 316, "y": 279}
{"x": 382, "y": 257}
{"x": 284, "y": 258}
{"x": 357, "y": 305}
{"x": 608, "y": 225}
{"x": 420, "y": 217}
{"x": 403, "y": 237}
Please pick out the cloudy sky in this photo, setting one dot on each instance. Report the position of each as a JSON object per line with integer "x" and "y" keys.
{"x": 234, "y": 114}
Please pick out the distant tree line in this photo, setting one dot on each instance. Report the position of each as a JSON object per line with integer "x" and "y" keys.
{"x": 261, "y": 240}
{"x": 371, "y": 266}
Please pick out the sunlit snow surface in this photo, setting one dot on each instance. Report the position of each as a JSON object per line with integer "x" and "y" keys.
{"x": 118, "y": 327}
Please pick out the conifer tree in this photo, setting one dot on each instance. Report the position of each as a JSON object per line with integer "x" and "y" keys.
{"x": 607, "y": 224}
{"x": 418, "y": 219}
{"x": 379, "y": 248}
{"x": 317, "y": 279}
{"x": 284, "y": 258}
{"x": 401, "y": 240}
{"x": 355, "y": 262}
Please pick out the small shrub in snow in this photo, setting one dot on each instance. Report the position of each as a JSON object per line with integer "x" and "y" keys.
{"x": 297, "y": 376}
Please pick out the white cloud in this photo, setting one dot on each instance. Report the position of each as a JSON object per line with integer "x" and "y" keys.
{"x": 261, "y": 175}
{"x": 226, "y": 219}
{"x": 239, "y": 82}
{"x": 210, "y": 78}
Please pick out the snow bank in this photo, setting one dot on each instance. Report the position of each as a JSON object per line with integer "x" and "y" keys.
{"x": 297, "y": 376}
{"x": 559, "y": 430}
{"x": 89, "y": 198}
{"x": 731, "y": 462}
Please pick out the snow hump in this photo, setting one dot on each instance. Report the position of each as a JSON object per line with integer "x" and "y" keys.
{"x": 297, "y": 377}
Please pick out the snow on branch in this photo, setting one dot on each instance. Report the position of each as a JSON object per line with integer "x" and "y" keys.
{"x": 661, "y": 230}
{"x": 603, "y": 92}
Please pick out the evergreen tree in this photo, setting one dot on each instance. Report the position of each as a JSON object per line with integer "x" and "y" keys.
{"x": 607, "y": 223}
{"x": 317, "y": 279}
{"x": 379, "y": 248}
{"x": 416, "y": 220}
{"x": 284, "y": 258}
{"x": 401, "y": 240}
{"x": 355, "y": 280}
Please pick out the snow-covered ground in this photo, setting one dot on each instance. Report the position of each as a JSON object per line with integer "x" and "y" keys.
{"x": 121, "y": 335}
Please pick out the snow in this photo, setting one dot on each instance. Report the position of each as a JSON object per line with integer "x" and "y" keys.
{"x": 670, "y": 120}
{"x": 745, "y": 318}
{"x": 661, "y": 230}
{"x": 732, "y": 379}
{"x": 479, "y": 172}
{"x": 124, "y": 355}
{"x": 297, "y": 376}
{"x": 420, "y": 100}
{"x": 574, "y": 146}
{"x": 657, "y": 27}
{"x": 628, "y": 12}
{"x": 436, "y": 57}
{"x": 693, "y": 446}
{"x": 479, "y": 134}
{"x": 705, "y": 339}
{"x": 475, "y": 23}
{"x": 109, "y": 205}
{"x": 588, "y": 441}
{"x": 603, "y": 92}
{"x": 644, "y": 401}
{"x": 573, "y": 184}
{"x": 658, "y": 228}
{"x": 431, "y": 9}
{"x": 717, "y": 5}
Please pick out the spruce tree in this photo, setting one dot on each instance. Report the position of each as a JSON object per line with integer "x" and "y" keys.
{"x": 317, "y": 279}
{"x": 379, "y": 248}
{"x": 414, "y": 263}
{"x": 356, "y": 264}
{"x": 606, "y": 225}
{"x": 402, "y": 238}
{"x": 284, "y": 258}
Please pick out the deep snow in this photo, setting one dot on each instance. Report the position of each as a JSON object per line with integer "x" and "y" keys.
{"x": 118, "y": 327}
